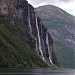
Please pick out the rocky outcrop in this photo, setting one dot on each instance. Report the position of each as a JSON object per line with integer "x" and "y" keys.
{"x": 22, "y": 13}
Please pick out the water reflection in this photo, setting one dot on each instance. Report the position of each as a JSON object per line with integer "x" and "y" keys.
{"x": 15, "y": 71}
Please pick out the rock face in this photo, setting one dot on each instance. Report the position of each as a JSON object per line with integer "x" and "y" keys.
{"x": 21, "y": 12}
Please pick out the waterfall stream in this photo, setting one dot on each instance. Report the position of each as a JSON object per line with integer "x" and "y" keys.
{"x": 29, "y": 19}
{"x": 47, "y": 41}
{"x": 40, "y": 46}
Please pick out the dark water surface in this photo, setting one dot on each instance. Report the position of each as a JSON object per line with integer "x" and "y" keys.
{"x": 40, "y": 71}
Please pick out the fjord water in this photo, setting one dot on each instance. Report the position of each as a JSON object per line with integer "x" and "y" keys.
{"x": 40, "y": 71}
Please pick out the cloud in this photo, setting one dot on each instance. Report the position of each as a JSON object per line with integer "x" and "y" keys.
{"x": 69, "y": 7}
{"x": 66, "y": 0}
{"x": 35, "y": 3}
{"x": 47, "y": 1}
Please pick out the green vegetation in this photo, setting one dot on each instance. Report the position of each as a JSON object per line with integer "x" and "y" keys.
{"x": 15, "y": 51}
{"x": 65, "y": 55}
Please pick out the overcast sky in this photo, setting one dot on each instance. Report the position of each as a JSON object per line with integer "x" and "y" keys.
{"x": 67, "y": 5}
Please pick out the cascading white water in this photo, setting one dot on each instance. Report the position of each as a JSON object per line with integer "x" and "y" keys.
{"x": 29, "y": 19}
{"x": 39, "y": 39}
{"x": 43, "y": 45}
{"x": 50, "y": 52}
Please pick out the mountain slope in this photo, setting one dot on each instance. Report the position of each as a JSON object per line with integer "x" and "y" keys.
{"x": 61, "y": 26}
{"x": 14, "y": 50}
{"x": 24, "y": 40}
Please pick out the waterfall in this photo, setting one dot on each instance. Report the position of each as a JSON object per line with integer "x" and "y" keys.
{"x": 47, "y": 41}
{"x": 44, "y": 51}
{"x": 29, "y": 19}
{"x": 43, "y": 44}
{"x": 39, "y": 39}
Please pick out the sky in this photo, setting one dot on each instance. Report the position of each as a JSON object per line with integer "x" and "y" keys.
{"x": 67, "y": 5}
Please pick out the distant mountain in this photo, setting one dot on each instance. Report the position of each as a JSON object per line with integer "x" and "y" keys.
{"x": 24, "y": 40}
{"x": 61, "y": 26}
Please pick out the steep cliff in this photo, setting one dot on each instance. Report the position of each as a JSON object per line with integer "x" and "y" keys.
{"x": 21, "y": 21}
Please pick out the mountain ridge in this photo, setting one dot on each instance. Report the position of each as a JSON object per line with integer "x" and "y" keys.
{"x": 61, "y": 26}
{"x": 54, "y": 7}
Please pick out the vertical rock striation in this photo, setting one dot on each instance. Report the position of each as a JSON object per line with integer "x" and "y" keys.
{"x": 21, "y": 12}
